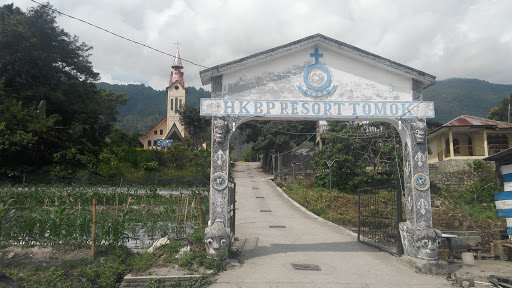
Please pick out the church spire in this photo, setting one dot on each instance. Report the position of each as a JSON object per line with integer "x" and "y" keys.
{"x": 177, "y": 74}
{"x": 177, "y": 61}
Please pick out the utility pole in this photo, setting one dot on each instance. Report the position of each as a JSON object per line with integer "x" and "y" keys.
{"x": 508, "y": 121}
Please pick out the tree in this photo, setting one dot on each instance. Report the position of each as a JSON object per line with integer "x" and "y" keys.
{"x": 196, "y": 127}
{"x": 41, "y": 63}
{"x": 501, "y": 112}
{"x": 369, "y": 155}
{"x": 120, "y": 138}
{"x": 272, "y": 137}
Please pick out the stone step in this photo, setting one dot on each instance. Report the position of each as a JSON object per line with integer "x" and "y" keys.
{"x": 163, "y": 281}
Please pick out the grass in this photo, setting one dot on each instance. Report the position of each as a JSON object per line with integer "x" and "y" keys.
{"x": 317, "y": 200}
{"x": 472, "y": 209}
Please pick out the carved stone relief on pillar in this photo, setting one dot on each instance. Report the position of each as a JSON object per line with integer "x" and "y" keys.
{"x": 419, "y": 239}
{"x": 217, "y": 235}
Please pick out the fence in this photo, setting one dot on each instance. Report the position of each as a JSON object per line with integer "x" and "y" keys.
{"x": 379, "y": 213}
{"x": 231, "y": 206}
{"x": 472, "y": 150}
{"x": 154, "y": 179}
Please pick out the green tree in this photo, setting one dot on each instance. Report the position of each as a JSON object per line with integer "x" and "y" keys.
{"x": 368, "y": 155}
{"x": 196, "y": 127}
{"x": 120, "y": 138}
{"x": 45, "y": 71}
{"x": 272, "y": 137}
{"x": 500, "y": 113}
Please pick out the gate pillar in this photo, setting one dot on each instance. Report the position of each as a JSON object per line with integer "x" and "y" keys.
{"x": 419, "y": 238}
{"x": 217, "y": 235}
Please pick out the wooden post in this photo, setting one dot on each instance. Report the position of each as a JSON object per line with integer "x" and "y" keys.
{"x": 198, "y": 195}
{"x": 93, "y": 238}
{"x": 186, "y": 212}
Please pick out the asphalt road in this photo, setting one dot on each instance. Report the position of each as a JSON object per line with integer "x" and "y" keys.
{"x": 275, "y": 232}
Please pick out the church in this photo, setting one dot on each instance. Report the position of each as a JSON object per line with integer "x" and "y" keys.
{"x": 169, "y": 130}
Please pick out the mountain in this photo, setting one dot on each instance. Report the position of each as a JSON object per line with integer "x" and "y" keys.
{"x": 458, "y": 96}
{"x": 146, "y": 106}
{"x": 452, "y": 98}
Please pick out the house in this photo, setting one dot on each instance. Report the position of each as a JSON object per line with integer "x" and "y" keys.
{"x": 169, "y": 130}
{"x": 468, "y": 138}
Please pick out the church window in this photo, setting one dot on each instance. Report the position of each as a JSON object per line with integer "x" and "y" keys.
{"x": 161, "y": 132}
{"x": 180, "y": 103}
{"x": 172, "y": 100}
{"x": 176, "y": 103}
{"x": 155, "y": 132}
{"x": 149, "y": 143}
{"x": 176, "y": 87}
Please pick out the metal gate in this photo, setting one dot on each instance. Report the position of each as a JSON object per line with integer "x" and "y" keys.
{"x": 379, "y": 213}
{"x": 231, "y": 206}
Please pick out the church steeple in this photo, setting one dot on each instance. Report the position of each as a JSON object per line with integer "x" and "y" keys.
{"x": 177, "y": 74}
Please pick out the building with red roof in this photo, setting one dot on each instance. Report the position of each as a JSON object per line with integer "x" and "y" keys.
{"x": 169, "y": 130}
{"x": 468, "y": 138}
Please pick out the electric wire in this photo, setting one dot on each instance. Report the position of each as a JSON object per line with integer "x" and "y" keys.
{"x": 117, "y": 35}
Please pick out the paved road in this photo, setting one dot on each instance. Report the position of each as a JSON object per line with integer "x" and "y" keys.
{"x": 269, "y": 252}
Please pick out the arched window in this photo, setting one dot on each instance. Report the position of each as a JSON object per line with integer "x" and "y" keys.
{"x": 154, "y": 142}
{"x": 172, "y": 104}
{"x": 176, "y": 103}
{"x": 149, "y": 143}
{"x": 161, "y": 132}
{"x": 156, "y": 132}
{"x": 180, "y": 103}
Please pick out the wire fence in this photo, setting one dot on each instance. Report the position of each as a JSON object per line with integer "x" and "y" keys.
{"x": 154, "y": 179}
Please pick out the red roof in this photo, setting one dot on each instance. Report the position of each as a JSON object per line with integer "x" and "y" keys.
{"x": 466, "y": 120}
{"x": 159, "y": 122}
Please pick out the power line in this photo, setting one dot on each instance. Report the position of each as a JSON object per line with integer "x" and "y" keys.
{"x": 117, "y": 35}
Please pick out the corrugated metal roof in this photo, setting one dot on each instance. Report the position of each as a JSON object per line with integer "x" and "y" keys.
{"x": 466, "y": 120}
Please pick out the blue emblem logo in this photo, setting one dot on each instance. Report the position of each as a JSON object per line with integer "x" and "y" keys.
{"x": 317, "y": 78}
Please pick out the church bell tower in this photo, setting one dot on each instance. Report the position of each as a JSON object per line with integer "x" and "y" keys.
{"x": 175, "y": 94}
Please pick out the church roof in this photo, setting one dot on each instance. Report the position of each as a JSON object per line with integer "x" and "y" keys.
{"x": 177, "y": 60}
{"x": 159, "y": 122}
{"x": 207, "y": 74}
{"x": 174, "y": 134}
{"x": 177, "y": 74}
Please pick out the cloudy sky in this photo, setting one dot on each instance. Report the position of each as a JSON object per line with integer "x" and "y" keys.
{"x": 446, "y": 38}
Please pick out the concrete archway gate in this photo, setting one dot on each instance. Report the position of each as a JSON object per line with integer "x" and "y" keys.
{"x": 320, "y": 78}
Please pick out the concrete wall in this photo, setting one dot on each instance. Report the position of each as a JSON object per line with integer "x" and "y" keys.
{"x": 458, "y": 180}
{"x": 454, "y": 165}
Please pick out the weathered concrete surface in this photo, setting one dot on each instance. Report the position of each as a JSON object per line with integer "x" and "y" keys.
{"x": 269, "y": 252}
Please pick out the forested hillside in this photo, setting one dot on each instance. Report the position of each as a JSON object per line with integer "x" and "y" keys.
{"x": 452, "y": 98}
{"x": 457, "y": 96}
{"x": 146, "y": 106}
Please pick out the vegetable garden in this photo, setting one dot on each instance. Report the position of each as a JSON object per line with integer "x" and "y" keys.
{"x": 63, "y": 215}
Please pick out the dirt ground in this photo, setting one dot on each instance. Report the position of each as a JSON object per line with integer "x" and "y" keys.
{"x": 21, "y": 257}
{"x": 481, "y": 271}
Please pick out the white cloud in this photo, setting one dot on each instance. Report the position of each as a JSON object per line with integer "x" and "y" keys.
{"x": 446, "y": 38}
